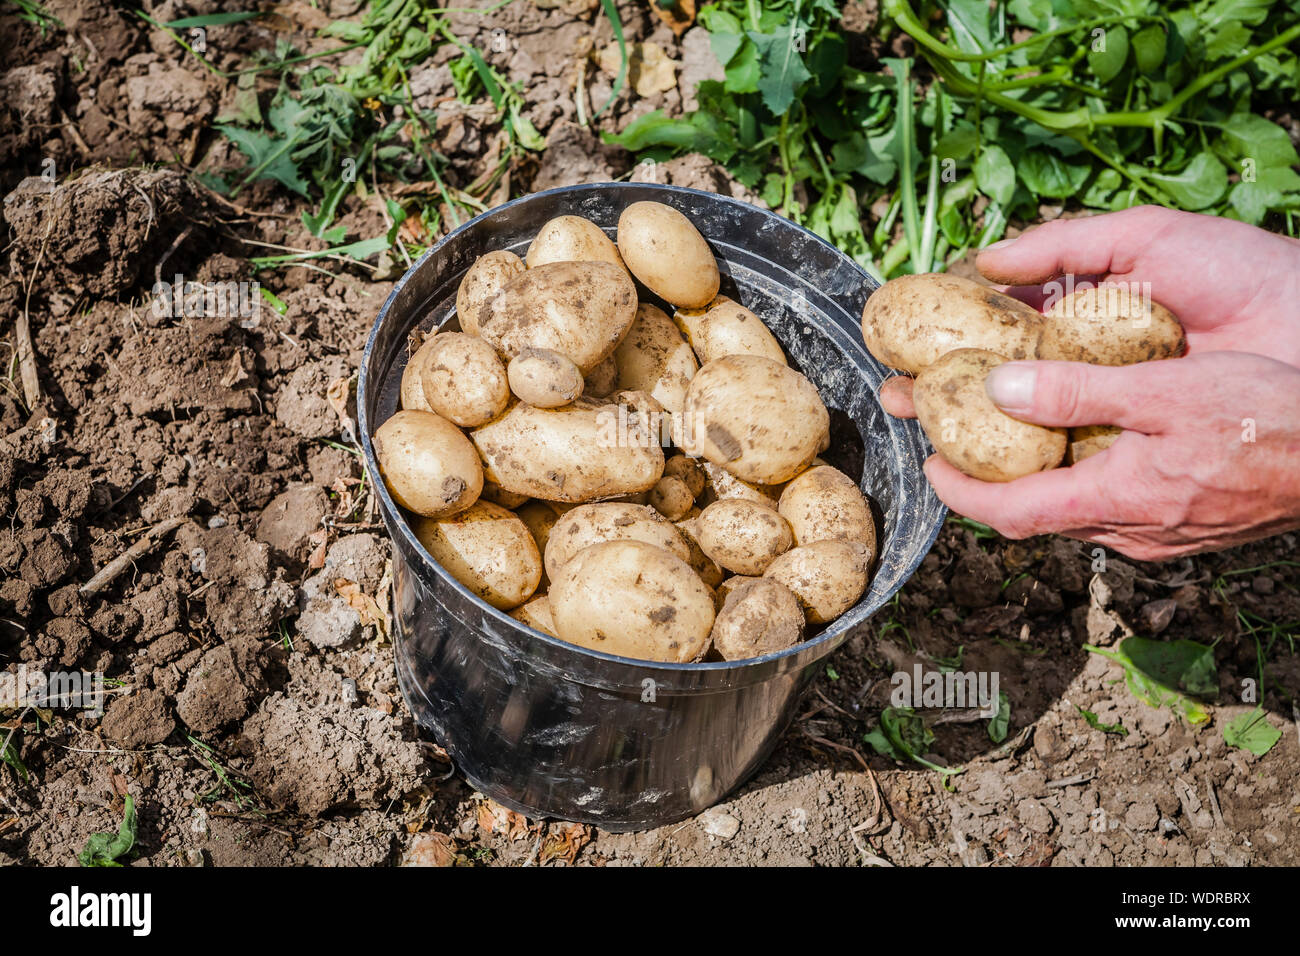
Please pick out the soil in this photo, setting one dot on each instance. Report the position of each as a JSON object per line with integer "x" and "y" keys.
{"x": 252, "y": 708}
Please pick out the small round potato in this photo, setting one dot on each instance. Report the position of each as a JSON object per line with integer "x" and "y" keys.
{"x": 970, "y": 432}
{"x": 609, "y": 521}
{"x": 1088, "y": 440}
{"x": 485, "y": 278}
{"x": 723, "y": 484}
{"x": 665, "y": 251}
{"x": 758, "y": 419}
{"x": 544, "y": 378}
{"x": 634, "y": 600}
{"x": 428, "y": 464}
{"x": 909, "y": 322}
{"x": 654, "y": 358}
{"x": 571, "y": 239}
{"x": 487, "y": 549}
{"x": 827, "y": 577}
{"x": 580, "y": 309}
{"x": 412, "y": 390}
{"x": 536, "y": 614}
{"x": 823, "y": 504}
{"x": 1110, "y": 324}
{"x": 743, "y": 536}
{"x": 671, "y": 498}
{"x": 601, "y": 381}
{"x": 462, "y": 378}
{"x": 689, "y": 471}
{"x": 759, "y": 616}
{"x": 728, "y": 328}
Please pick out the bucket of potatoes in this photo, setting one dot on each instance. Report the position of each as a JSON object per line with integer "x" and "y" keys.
{"x": 631, "y": 480}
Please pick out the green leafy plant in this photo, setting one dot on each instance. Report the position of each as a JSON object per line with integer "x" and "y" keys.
{"x": 1165, "y": 673}
{"x": 1251, "y": 732}
{"x": 1000, "y": 722}
{"x": 105, "y": 849}
{"x": 1095, "y": 723}
{"x": 904, "y": 736}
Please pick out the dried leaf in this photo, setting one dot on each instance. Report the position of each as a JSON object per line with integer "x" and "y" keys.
{"x": 234, "y": 371}
{"x": 431, "y": 849}
{"x": 679, "y": 17}
{"x": 497, "y": 819}
{"x": 564, "y": 841}
{"x": 362, "y": 603}
{"x": 320, "y": 541}
{"x": 649, "y": 68}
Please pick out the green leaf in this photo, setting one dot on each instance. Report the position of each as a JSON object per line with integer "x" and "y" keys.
{"x": 903, "y": 736}
{"x": 995, "y": 175}
{"x": 869, "y": 156}
{"x": 1095, "y": 723}
{"x": 1109, "y": 60}
{"x": 1045, "y": 173}
{"x": 1202, "y": 183}
{"x": 1000, "y": 722}
{"x": 1149, "y": 46}
{"x": 1250, "y": 136}
{"x": 10, "y": 756}
{"x": 958, "y": 143}
{"x": 781, "y": 68}
{"x": 213, "y": 19}
{"x": 1160, "y": 673}
{"x": 105, "y": 849}
{"x": 1275, "y": 188}
{"x": 1252, "y": 732}
{"x": 268, "y": 156}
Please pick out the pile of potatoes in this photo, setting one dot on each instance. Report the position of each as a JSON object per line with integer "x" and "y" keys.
{"x": 949, "y": 332}
{"x": 530, "y": 445}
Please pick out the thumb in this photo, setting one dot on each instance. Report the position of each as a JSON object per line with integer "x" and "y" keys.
{"x": 1070, "y": 394}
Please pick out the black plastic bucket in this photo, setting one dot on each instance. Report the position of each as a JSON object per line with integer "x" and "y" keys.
{"x": 553, "y": 730}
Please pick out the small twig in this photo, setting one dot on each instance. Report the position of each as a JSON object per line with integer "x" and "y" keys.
{"x": 23, "y": 329}
{"x": 1214, "y": 803}
{"x": 1078, "y": 778}
{"x": 176, "y": 244}
{"x": 131, "y": 554}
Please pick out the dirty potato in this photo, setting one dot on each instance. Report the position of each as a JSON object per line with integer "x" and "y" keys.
{"x": 1088, "y": 440}
{"x": 743, "y": 536}
{"x": 664, "y": 250}
{"x": 654, "y": 358}
{"x": 609, "y": 521}
{"x": 671, "y": 498}
{"x": 601, "y": 380}
{"x": 632, "y": 599}
{"x": 571, "y": 239}
{"x": 970, "y": 432}
{"x": 689, "y": 470}
{"x": 759, "y": 616}
{"x": 824, "y": 504}
{"x": 828, "y": 577}
{"x": 427, "y": 463}
{"x": 728, "y": 328}
{"x": 412, "y": 388}
{"x": 487, "y": 549}
{"x": 1110, "y": 324}
{"x": 463, "y": 379}
{"x": 909, "y": 322}
{"x": 536, "y": 613}
{"x": 485, "y": 278}
{"x": 544, "y": 378}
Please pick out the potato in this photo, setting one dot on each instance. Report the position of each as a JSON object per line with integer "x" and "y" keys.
{"x": 577, "y": 453}
{"x": 689, "y": 471}
{"x": 544, "y": 378}
{"x": 601, "y": 380}
{"x": 758, "y": 419}
{"x": 499, "y": 496}
{"x": 759, "y": 616}
{"x": 654, "y": 358}
{"x": 580, "y": 309}
{"x": 730, "y": 584}
{"x": 690, "y": 321}
{"x": 609, "y": 521}
{"x": 412, "y": 388}
{"x": 827, "y": 577}
{"x": 824, "y": 504}
{"x": 487, "y": 549}
{"x": 671, "y": 498}
{"x": 634, "y": 600}
{"x": 462, "y": 378}
{"x": 1110, "y": 325}
{"x": 728, "y": 328}
{"x": 743, "y": 536}
{"x": 1088, "y": 440}
{"x": 485, "y": 278}
{"x": 700, "y": 563}
{"x": 536, "y": 613}
{"x": 909, "y": 322}
{"x": 427, "y": 463}
{"x": 969, "y": 431}
{"x": 722, "y": 484}
{"x": 539, "y": 517}
{"x": 665, "y": 251}
{"x": 571, "y": 239}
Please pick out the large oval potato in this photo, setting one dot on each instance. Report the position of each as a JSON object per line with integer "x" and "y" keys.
{"x": 743, "y": 536}
{"x": 609, "y": 521}
{"x": 909, "y": 322}
{"x": 665, "y": 251}
{"x": 487, "y": 549}
{"x": 582, "y": 452}
{"x": 580, "y": 309}
{"x": 571, "y": 239}
{"x": 824, "y": 504}
{"x": 728, "y": 328}
{"x": 969, "y": 431}
{"x": 536, "y": 613}
{"x": 412, "y": 387}
{"x": 486, "y": 277}
{"x": 827, "y": 577}
{"x": 463, "y": 379}
{"x": 544, "y": 378}
{"x": 427, "y": 463}
{"x": 539, "y": 517}
{"x": 758, "y": 419}
{"x": 654, "y": 358}
{"x": 759, "y": 616}
{"x": 1110, "y": 325}
{"x": 634, "y": 600}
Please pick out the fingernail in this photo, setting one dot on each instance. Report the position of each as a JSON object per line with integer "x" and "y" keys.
{"x": 1011, "y": 386}
{"x": 1000, "y": 244}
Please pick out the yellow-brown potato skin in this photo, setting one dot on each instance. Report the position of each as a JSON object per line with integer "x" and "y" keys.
{"x": 728, "y": 328}
{"x": 1088, "y": 440}
{"x": 654, "y": 358}
{"x": 664, "y": 250}
{"x": 427, "y": 463}
{"x": 827, "y": 577}
{"x": 671, "y": 498}
{"x": 601, "y": 381}
{"x": 759, "y": 616}
{"x": 544, "y": 378}
{"x": 536, "y": 613}
{"x": 1110, "y": 325}
{"x": 634, "y": 600}
{"x": 909, "y": 322}
{"x": 463, "y": 379}
{"x": 486, "y": 548}
{"x": 743, "y": 536}
{"x": 571, "y": 239}
{"x": 609, "y": 521}
{"x": 485, "y": 278}
{"x": 721, "y": 484}
{"x": 824, "y": 504}
{"x": 970, "y": 432}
